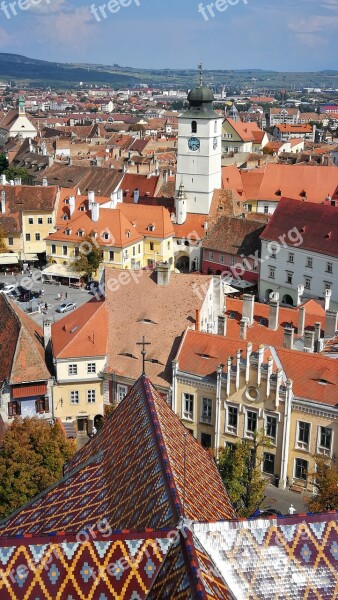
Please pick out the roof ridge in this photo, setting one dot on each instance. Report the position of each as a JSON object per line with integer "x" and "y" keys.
{"x": 161, "y": 446}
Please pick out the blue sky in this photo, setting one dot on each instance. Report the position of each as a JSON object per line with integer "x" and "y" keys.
{"x": 288, "y": 35}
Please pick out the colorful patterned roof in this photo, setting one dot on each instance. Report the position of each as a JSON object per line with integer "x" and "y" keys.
{"x": 131, "y": 473}
{"x": 289, "y": 558}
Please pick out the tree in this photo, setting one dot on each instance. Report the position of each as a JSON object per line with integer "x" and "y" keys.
{"x": 241, "y": 474}
{"x": 3, "y": 162}
{"x": 3, "y": 247}
{"x": 325, "y": 482}
{"x": 14, "y": 172}
{"x": 90, "y": 257}
{"x": 31, "y": 459}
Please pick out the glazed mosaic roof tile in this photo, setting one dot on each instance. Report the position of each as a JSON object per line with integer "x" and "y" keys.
{"x": 290, "y": 558}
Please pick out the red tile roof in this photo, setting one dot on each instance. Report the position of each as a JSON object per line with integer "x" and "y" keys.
{"x": 82, "y": 332}
{"x": 317, "y": 224}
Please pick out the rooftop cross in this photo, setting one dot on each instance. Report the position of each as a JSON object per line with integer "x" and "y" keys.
{"x": 143, "y": 352}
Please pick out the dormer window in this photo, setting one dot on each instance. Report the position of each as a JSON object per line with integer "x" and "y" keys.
{"x": 151, "y": 227}
{"x": 64, "y": 217}
{"x": 278, "y": 192}
{"x": 68, "y": 231}
{"x": 66, "y": 200}
{"x": 80, "y": 233}
{"x": 128, "y": 233}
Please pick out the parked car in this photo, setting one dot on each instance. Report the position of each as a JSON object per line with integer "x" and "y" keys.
{"x": 65, "y": 307}
{"x": 9, "y": 288}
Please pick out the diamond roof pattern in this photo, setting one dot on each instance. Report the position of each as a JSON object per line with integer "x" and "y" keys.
{"x": 290, "y": 558}
{"x": 123, "y": 524}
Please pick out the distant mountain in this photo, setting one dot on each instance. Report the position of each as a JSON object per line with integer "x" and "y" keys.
{"x": 44, "y": 73}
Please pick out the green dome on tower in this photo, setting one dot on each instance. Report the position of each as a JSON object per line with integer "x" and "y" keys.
{"x": 200, "y": 95}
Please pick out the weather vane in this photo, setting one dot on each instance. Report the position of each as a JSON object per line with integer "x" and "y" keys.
{"x": 143, "y": 352}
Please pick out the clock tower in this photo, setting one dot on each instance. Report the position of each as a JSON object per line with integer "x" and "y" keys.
{"x": 199, "y": 150}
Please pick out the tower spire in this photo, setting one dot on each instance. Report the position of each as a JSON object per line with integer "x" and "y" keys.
{"x": 200, "y": 67}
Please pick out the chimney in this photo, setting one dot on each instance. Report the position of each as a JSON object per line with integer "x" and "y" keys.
{"x": 71, "y": 205}
{"x": 222, "y": 325}
{"x": 328, "y": 294}
{"x": 318, "y": 331}
{"x": 45, "y": 182}
{"x": 229, "y": 365}
{"x": 163, "y": 273}
{"x": 17, "y": 181}
{"x": 47, "y": 333}
{"x": 248, "y": 307}
{"x": 3, "y": 180}
{"x": 273, "y": 314}
{"x": 3, "y": 201}
{"x": 198, "y": 320}
{"x": 288, "y": 337}
{"x": 165, "y": 176}
{"x": 243, "y": 328}
{"x": 330, "y": 324}
{"x": 260, "y": 362}
{"x": 238, "y": 367}
{"x": 301, "y": 320}
{"x": 309, "y": 337}
{"x": 95, "y": 212}
{"x": 136, "y": 195}
{"x": 91, "y": 199}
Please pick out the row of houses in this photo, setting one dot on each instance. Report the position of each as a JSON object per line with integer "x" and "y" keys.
{"x": 228, "y": 368}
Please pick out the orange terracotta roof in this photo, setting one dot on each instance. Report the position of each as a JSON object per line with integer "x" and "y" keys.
{"x": 241, "y": 129}
{"x": 192, "y": 228}
{"x": 142, "y": 215}
{"x": 291, "y": 128}
{"x": 145, "y": 185}
{"x": 82, "y": 332}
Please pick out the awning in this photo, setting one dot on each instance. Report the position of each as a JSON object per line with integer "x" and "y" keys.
{"x": 29, "y": 257}
{"x": 29, "y": 391}
{"x": 8, "y": 259}
{"x": 240, "y": 284}
{"x": 228, "y": 289}
{"x": 61, "y": 271}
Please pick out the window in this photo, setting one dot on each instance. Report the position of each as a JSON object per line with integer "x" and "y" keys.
{"x": 49, "y": 220}
{"x": 151, "y": 246}
{"x": 289, "y": 277}
{"x": 53, "y": 249}
{"x": 301, "y": 469}
{"x": 74, "y": 397}
{"x": 40, "y": 220}
{"x": 188, "y": 406}
{"x": 10, "y": 241}
{"x": 168, "y": 245}
{"x": 271, "y": 427}
{"x": 273, "y": 251}
{"x": 42, "y": 404}
{"x": 37, "y": 237}
{"x": 134, "y": 251}
{"x": 251, "y": 422}
{"x": 72, "y": 369}
{"x": 308, "y": 283}
{"x": 232, "y": 419}
{"x": 329, "y": 267}
{"x": 221, "y": 258}
{"x": 325, "y": 439}
{"x": 91, "y": 368}
{"x": 303, "y": 435}
{"x": 308, "y": 262}
{"x": 272, "y": 272}
{"x": 30, "y": 221}
{"x": 211, "y": 255}
{"x": 206, "y": 412}
{"x": 121, "y": 392}
{"x": 230, "y": 445}
{"x": 76, "y": 251}
{"x": 28, "y": 237}
{"x": 266, "y": 209}
{"x": 111, "y": 255}
{"x": 327, "y": 286}
{"x": 291, "y": 257}
{"x": 206, "y": 440}
{"x": 90, "y": 396}
{"x": 193, "y": 126}
{"x": 268, "y": 463}
{"x": 64, "y": 250}
{"x": 14, "y": 408}
{"x": 139, "y": 248}
{"x": 215, "y": 127}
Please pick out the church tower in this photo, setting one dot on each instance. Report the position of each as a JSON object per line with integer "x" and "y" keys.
{"x": 199, "y": 150}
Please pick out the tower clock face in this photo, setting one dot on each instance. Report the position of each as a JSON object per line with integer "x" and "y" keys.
{"x": 214, "y": 145}
{"x": 194, "y": 144}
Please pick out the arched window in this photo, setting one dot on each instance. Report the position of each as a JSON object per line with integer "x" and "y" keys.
{"x": 193, "y": 127}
